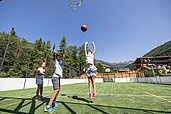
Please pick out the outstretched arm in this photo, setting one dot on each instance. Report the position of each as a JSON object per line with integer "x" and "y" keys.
{"x": 85, "y": 48}
{"x": 94, "y": 48}
{"x": 54, "y": 54}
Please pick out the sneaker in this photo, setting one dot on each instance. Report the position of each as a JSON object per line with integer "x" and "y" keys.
{"x": 55, "y": 104}
{"x": 49, "y": 110}
{"x": 36, "y": 98}
{"x": 94, "y": 95}
{"x": 41, "y": 98}
{"x": 90, "y": 95}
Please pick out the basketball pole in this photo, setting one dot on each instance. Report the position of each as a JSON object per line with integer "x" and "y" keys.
{"x": 27, "y": 71}
{"x": 3, "y": 58}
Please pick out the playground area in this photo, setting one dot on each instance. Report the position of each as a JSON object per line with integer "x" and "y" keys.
{"x": 112, "y": 98}
{"x": 154, "y": 66}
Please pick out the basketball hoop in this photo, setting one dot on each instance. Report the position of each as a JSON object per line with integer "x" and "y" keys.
{"x": 75, "y": 4}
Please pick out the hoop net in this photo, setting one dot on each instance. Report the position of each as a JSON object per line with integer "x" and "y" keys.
{"x": 75, "y": 4}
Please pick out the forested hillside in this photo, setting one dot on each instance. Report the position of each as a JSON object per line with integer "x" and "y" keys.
{"x": 162, "y": 50}
{"x": 23, "y": 58}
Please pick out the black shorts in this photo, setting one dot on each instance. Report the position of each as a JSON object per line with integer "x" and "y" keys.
{"x": 56, "y": 82}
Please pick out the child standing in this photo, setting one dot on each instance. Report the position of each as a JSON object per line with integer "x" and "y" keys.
{"x": 55, "y": 81}
{"x": 39, "y": 81}
{"x": 91, "y": 70}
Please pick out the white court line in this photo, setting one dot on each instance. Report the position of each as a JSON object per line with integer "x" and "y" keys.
{"x": 148, "y": 94}
{"x": 110, "y": 95}
{"x": 157, "y": 96}
{"x": 8, "y": 99}
{"x": 12, "y": 103}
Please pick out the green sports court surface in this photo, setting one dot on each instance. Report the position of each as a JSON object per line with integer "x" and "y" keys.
{"x": 112, "y": 98}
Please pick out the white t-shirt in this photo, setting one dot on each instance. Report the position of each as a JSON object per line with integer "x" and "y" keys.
{"x": 58, "y": 69}
{"x": 90, "y": 59}
{"x": 41, "y": 71}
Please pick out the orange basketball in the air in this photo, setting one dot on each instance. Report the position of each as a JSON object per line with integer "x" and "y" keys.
{"x": 84, "y": 28}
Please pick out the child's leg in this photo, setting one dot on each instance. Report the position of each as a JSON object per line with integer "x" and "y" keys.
{"x": 93, "y": 84}
{"x": 38, "y": 89}
{"x": 56, "y": 87}
{"x": 89, "y": 84}
{"x": 94, "y": 87}
{"x": 54, "y": 103}
{"x": 55, "y": 98}
{"x": 41, "y": 90}
{"x": 54, "y": 95}
{"x": 90, "y": 87}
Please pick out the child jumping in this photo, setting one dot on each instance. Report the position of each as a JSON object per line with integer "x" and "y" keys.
{"x": 39, "y": 81}
{"x": 91, "y": 70}
{"x": 55, "y": 81}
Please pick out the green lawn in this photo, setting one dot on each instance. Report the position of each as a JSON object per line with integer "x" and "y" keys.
{"x": 113, "y": 98}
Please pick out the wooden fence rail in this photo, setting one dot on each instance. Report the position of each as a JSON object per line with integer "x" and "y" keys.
{"x": 116, "y": 75}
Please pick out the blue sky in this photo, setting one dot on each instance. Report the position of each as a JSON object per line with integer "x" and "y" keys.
{"x": 122, "y": 29}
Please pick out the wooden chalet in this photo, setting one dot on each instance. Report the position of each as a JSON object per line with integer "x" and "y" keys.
{"x": 157, "y": 60}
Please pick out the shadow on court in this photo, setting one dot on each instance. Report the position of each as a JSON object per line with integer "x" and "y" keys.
{"x": 98, "y": 108}
{"x": 81, "y": 99}
{"x": 20, "y": 104}
{"x": 33, "y": 107}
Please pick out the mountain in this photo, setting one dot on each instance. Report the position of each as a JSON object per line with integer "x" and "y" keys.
{"x": 162, "y": 50}
{"x": 114, "y": 64}
{"x": 122, "y": 64}
{"x": 104, "y": 63}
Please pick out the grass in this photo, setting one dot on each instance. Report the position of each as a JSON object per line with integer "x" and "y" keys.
{"x": 112, "y": 98}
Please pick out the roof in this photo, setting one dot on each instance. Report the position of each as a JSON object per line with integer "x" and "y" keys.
{"x": 153, "y": 60}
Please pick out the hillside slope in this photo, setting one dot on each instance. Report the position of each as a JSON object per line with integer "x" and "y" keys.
{"x": 162, "y": 50}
